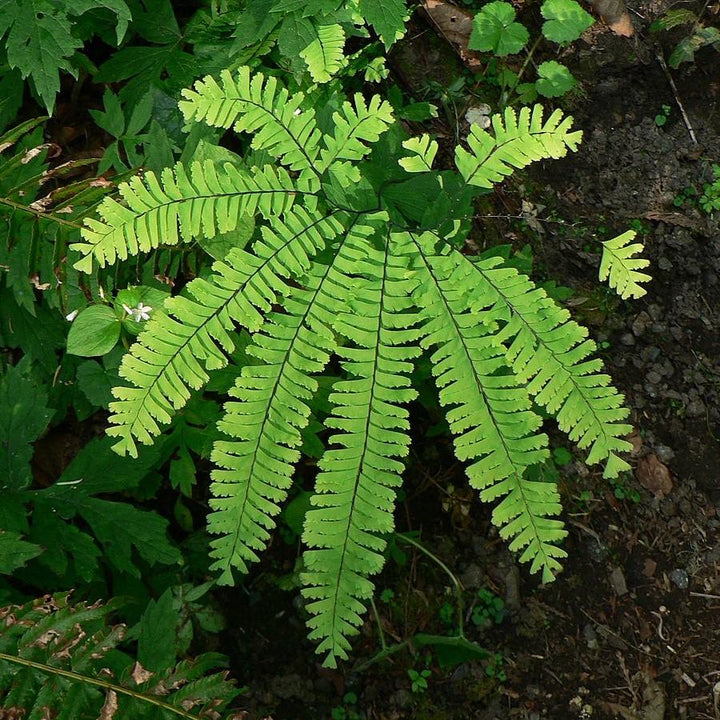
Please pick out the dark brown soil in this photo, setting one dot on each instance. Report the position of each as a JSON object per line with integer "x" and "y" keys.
{"x": 631, "y": 628}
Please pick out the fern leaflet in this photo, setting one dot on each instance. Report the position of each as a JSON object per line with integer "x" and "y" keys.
{"x": 621, "y": 268}
{"x": 517, "y": 141}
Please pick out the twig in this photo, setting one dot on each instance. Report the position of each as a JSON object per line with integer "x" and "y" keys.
{"x": 686, "y": 119}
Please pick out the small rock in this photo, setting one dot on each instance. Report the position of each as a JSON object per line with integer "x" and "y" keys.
{"x": 680, "y": 578}
{"x": 628, "y": 339}
{"x": 653, "y": 378}
{"x": 590, "y": 637}
{"x": 695, "y": 408}
{"x": 640, "y": 324}
{"x": 664, "y": 453}
{"x": 617, "y": 580}
{"x": 654, "y": 476}
{"x": 473, "y": 577}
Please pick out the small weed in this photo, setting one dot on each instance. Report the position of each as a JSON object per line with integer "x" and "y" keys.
{"x": 641, "y": 227}
{"x": 419, "y": 680}
{"x": 709, "y": 201}
{"x": 447, "y": 614}
{"x": 662, "y": 117}
{"x": 623, "y": 492}
{"x": 489, "y": 608}
{"x": 387, "y": 595}
{"x": 347, "y": 710}
{"x": 686, "y": 198}
{"x": 496, "y": 667}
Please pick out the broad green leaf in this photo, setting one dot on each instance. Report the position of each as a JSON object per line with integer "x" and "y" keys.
{"x": 156, "y": 643}
{"x": 94, "y": 331}
{"x": 15, "y": 552}
{"x": 565, "y": 20}
{"x": 24, "y": 415}
{"x": 495, "y": 30}
{"x": 388, "y": 18}
{"x": 95, "y": 383}
{"x": 554, "y": 79}
{"x": 688, "y": 46}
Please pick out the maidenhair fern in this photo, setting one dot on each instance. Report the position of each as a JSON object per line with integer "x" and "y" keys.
{"x": 356, "y": 256}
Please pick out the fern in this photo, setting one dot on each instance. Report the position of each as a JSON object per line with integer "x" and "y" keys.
{"x": 355, "y": 257}
{"x": 621, "y": 269}
{"x": 61, "y": 660}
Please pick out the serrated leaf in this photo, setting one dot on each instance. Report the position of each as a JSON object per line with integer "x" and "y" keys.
{"x": 495, "y": 30}
{"x": 388, "y": 18}
{"x": 621, "y": 268}
{"x": 554, "y": 79}
{"x": 15, "y": 552}
{"x": 566, "y": 20}
{"x": 156, "y": 642}
{"x": 24, "y": 415}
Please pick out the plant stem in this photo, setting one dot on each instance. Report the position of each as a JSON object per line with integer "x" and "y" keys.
{"x": 99, "y": 683}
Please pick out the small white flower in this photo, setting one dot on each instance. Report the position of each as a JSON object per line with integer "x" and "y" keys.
{"x": 101, "y": 292}
{"x": 140, "y": 313}
{"x": 71, "y": 316}
{"x": 297, "y": 111}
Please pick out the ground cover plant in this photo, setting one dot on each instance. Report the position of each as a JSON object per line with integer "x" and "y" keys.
{"x": 289, "y": 301}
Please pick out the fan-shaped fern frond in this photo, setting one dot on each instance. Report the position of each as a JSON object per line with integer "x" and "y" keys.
{"x": 207, "y": 202}
{"x": 271, "y": 409}
{"x": 514, "y": 144}
{"x": 621, "y": 268}
{"x": 355, "y": 490}
{"x": 61, "y": 661}
{"x": 352, "y": 126}
{"x": 324, "y": 55}
{"x": 491, "y": 414}
{"x": 177, "y": 347}
{"x": 549, "y": 352}
{"x": 259, "y": 106}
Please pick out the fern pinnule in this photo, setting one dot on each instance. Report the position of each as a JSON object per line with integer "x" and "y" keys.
{"x": 355, "y": 490}
{"x": 255, "y": 466}
{"x": 193, "y": 335}
{"x": 181, "y": 207}
{"x": 516, "y": 141}
{"x": 261, "y": 106}
{"x": 550, "y": 352}
{"x": 489, "y": 409}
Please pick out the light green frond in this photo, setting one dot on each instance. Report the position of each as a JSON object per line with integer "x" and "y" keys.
{"x": 550, "y": 352}
{"x": 181, "y": 207}
{"x": 256, "y": 465}
{"x": 424, "y": 150}
{"x": 489, "y": 410}
{"x": 252, "y": 103}
{"x": 621, "y": 268}
{"x": 173, "y": 354}
{"x": 355, "y": 491}
{"x": 324, "y": 55}
{"x": 352, "y": 126}
{"x": 515, "y": 143}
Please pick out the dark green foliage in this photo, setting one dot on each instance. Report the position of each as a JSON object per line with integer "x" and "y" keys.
{"x": 62, "y": 660}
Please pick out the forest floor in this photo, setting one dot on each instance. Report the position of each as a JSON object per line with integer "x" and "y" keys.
{"x": 631, "y": 628}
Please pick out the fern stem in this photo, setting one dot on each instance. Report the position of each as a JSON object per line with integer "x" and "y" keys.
{"x": 381, "y": 632}
{"x": 41, "y": 667}
{"x": 453, "y": 578}
{"x": 39, "y": 213}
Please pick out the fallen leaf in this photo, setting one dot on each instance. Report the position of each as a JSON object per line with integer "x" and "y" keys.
{"x": 615, "y": 16}
{"x": 455, "y": 25}
{"x": 654, "y": 476}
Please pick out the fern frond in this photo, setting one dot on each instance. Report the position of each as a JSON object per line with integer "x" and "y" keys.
{"x": 514, "y": 144}
{"x": 260, "y": 106}
{"x": 355, "y": 491}
{"x": 424, "y": 150}
{"x": 352, "y": 126}
{"x": 256, "y": 466}
{"x": 181, "y": 207}
{"x": 178, "y": 347}
{"x": 490, "y": 412}
{"x": 550, "y": 352}
{"x": 58, "y": 660}
{"x": 324, "y": 55}
{"x": 621, "y": 268}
